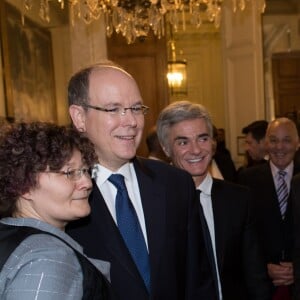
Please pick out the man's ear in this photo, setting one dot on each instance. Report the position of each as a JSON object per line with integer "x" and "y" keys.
{"x": 77, "y": 114}
{"x": 166, "y": 151}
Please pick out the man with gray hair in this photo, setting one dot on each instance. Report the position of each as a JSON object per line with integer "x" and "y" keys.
{"x": 185, "y": 132}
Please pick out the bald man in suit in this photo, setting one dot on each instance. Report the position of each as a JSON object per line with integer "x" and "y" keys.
{"x": 106, "y": 106}
{"x": 274, "y": 222}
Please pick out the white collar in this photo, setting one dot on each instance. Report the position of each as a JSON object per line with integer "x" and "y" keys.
{"x": 206, "y": 185}
{"x": 289, "y": 169}
{"x": 101, "y": 174}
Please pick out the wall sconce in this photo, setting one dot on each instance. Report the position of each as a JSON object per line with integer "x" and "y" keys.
{"x": 177, "y": 77}
{"x": 176, "y": 72}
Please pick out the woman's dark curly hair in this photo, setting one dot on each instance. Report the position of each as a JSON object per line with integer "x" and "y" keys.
{"x": 26, "y": 149}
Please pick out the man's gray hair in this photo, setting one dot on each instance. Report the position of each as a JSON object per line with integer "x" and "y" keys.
{"x": 177, "y": 112}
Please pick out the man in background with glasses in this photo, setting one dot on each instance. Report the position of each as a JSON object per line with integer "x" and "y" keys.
{"x": 143, "y": 219}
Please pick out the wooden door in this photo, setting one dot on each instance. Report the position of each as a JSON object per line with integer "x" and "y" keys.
{"x": 286, "y": 83}
{"x": 146, "y": 61}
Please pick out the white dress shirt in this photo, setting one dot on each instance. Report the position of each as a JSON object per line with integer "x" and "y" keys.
{"x": 109, "y": 191}
{"x": 289, "y": 174}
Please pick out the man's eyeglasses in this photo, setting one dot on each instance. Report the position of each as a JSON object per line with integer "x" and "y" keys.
{"x": 136, "y": 109}
{"x": 74, "y": 174}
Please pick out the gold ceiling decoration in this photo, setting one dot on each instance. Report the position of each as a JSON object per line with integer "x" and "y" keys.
{"x": 135, "y": 18}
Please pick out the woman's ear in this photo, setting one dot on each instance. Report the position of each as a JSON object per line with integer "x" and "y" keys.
{"x": 77, "y": 114}
{"x": 28, "y": 196}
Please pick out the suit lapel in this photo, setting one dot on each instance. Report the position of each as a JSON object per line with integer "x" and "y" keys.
{"x": 267, "y": 176}
{"x": 220, "y": 221}
{"x": 153, "y": 196}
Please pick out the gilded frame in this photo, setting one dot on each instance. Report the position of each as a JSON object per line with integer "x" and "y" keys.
{"x": 28, "y": 68}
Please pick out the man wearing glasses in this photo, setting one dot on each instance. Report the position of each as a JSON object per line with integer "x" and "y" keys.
{"x": 143, "y": 218}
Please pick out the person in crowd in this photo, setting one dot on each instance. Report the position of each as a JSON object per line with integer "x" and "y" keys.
{"x": 162, "y": 254}
{"x": 219, "y": 136}
{"x": 154, "y": 147}
{"x": 45, "y": 183}
{"x": 270, "y": 184}
{"x": 255, "y": 144}
{"x": 222, "y": 165}
{"x": 185, "y": 132}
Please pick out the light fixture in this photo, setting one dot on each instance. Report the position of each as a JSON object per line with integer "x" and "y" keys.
{"x": 135, "y": 18}
{"x": 177, "y": 79}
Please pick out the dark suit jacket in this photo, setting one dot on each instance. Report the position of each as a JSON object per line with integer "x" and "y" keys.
{"x": 242, "y": 271}
{"x": 178, "y": 261}
{"x": 274, "y": 232}
{"x": 295, "y": 199}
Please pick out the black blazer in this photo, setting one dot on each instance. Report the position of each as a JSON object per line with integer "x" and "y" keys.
{"x": 178, "y": 261}
{"x": 295, "y": 200}
{"x": 274, "y": 232}
{"x": 242, "y": 271}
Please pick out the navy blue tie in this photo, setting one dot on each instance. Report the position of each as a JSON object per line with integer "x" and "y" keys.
{"x": 130, "y": 228}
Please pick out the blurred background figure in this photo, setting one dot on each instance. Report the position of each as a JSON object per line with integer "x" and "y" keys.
{"x": 255, "y": 145}
{"x": 220, "y": 137}
{"x": 154, "y": 147}
{"x": 222, "y": 165}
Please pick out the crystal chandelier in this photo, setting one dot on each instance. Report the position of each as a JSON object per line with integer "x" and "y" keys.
{"x": 135, "y": 18}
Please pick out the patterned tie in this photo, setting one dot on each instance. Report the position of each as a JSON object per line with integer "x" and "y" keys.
{"x": 282, "y": 192}
{"x": 130, "y": 228}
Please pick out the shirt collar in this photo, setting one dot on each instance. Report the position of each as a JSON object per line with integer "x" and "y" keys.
{"x": 206, "y": 185}
{"x": 289, "y": 169}
{"x": 101, "y": 174}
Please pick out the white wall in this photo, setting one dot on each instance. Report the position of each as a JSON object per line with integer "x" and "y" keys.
{"x": 243, "y": 72}
{"x": 202, "y": 51}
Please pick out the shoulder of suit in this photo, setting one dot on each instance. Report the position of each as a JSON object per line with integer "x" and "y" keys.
{"x": 227, "y": 185}
{"x": 165, "y": 174}
{"x": 157, "y": 166}
{"x": 255, "y": 170}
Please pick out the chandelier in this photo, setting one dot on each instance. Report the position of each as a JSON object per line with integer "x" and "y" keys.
{"x": 135, "y": 18}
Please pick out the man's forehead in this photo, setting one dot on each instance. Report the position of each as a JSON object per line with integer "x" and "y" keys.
{"x": 190, "y": 136}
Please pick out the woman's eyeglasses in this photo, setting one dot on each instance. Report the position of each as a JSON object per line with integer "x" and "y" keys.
{"x": 73, "y": 174}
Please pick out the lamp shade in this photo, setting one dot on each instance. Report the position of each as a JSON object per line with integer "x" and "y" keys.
{"x": 177, "y": 77}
